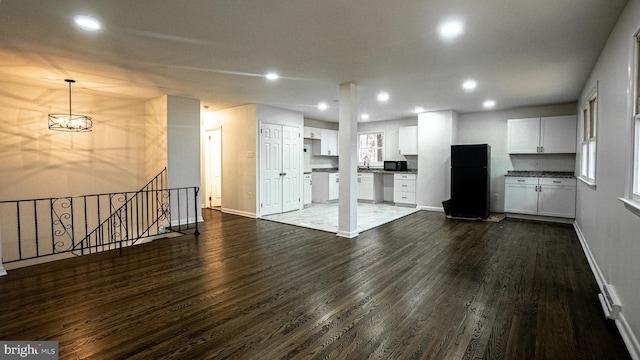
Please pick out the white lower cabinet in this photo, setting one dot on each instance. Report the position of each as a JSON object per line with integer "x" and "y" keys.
{"x": 555, "y": 197}
{"x": 404, "y": 189}
{"x": 306, "y": 189}
{"x": 325, "y": 187}
{"x": 370, "y": 187}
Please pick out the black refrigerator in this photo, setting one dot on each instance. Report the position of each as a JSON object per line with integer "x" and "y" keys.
{"x": 470, "y": 180}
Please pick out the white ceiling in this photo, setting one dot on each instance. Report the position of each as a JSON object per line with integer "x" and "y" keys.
{"x": 521, "y": 52}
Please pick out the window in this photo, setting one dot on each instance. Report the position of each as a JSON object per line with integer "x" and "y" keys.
{"x": 636, "y": 125}
{"x": 371, "y": 147}
{"x": 588, "y": 146}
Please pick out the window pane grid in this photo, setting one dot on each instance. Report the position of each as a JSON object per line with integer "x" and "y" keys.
{"x": 371, "y": 147}
{"x": 588, "y": 146}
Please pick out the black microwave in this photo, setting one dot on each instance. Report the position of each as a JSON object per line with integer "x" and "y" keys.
{"x": 395, "y": 165}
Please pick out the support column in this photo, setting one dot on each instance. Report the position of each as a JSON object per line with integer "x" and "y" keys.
{"x": 348, "y": 161}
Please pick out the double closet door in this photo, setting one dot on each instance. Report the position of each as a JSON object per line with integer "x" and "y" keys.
{"x": 280, "y": 172}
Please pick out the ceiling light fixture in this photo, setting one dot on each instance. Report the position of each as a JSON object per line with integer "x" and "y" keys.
{"x": 418, "y": 109}
{"x": 488, "y": 104}
{"x": 87, "y": 23}
{"x": 364, "y": 116}
{"x": 322, "y": 106}
{"x": 70, "y": 122}
{"x": 450, "y": 29}
{"x": 469, "y": 85}
{"x": 272, "y": 76}
{"x": 383, "y": 97}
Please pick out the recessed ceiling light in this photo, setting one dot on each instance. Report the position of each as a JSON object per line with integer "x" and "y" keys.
{"x": 322, "y": 106}
{"x": 450, "y": 29}
{"x": 383, "y": 97}
{"x": 364, "y": 116}
{"x": 488, "y": 104}
{"x": 418, "y": 109}
{"x": 87, "y": 23}
{"x": 469, "y": 85}
{"x": 272, "y": 76}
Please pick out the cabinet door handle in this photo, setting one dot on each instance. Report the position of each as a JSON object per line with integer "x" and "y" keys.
{"x": 283, "y": 174}
{"x": 536, "y": 188}
{"x": 541, "y": 149}
{"x": 540, "y": 188}
{"x": 538, "y": 149}
{"x": 359, "y": 180}
{"x": 557, "y": 182}
{"x": 520, "y": 180}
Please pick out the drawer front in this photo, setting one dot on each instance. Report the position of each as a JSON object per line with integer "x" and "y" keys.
{"x": 404, "y": 177}
{"x": 522, "y": 180}
{"x": 404, "y": 185}
{"x": 557, "y": 181}
{"x": 404, "y": 197}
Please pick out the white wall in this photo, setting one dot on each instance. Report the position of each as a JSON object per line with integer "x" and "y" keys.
{"x": 436, "y": 134}
{"x": 609, "y": 229}
{"x": 183, "y": 154}
{"x": 155, "y": 136}
{"x": 490, "y": 127}
{"x": 39, "y": 163}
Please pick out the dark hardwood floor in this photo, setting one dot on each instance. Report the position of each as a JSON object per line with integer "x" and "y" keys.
{"x": 420, "y": 287}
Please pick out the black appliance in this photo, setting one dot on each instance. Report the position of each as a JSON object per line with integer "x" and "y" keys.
{"x": 395, "y": 165}
{"x": 470, "y": 180}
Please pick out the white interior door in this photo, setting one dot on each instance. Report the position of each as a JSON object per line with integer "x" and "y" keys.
{"x": 213, "y": 168}
{"x": 291, "y": 153}
{"x": 270, "y": 169}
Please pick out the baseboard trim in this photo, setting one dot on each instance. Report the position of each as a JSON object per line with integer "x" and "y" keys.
{"x": 628, "y": 337}
{"x": 626, "y": 333}
{"x": 238, "y": 212}
{"x": 540, "y": 218}
{"x": 430, "y": 208}
{"x": 347, "y": 234}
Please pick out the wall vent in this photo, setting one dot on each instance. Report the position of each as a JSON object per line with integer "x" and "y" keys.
{"x": 610, "y": 302}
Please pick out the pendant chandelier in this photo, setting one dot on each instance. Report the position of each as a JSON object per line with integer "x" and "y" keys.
{"x": 70, "y": 122}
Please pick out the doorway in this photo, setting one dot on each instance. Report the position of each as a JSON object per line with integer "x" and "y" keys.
{"x": 280, "y": 173}
{"x": 213, "y": 168}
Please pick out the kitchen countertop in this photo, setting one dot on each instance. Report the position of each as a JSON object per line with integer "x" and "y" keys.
{"x": 537, "y": 173}
{"x": 382, "y": 171}
{"x": 375, "y": 171}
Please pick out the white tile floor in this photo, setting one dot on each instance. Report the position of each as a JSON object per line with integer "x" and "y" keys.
{"x": 325, "y": 216}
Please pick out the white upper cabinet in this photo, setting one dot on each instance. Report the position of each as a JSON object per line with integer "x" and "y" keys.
{"x": 328, "y": 144}
{"x": 546, "y": 135}
{"x": 408, "y": 140}
{"x": 312, "y": 133}
{"x": 523, "y": 136}
{"x": 558, "y": 134}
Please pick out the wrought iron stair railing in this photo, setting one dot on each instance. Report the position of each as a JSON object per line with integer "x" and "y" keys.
{"x": 86, "y": 224}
